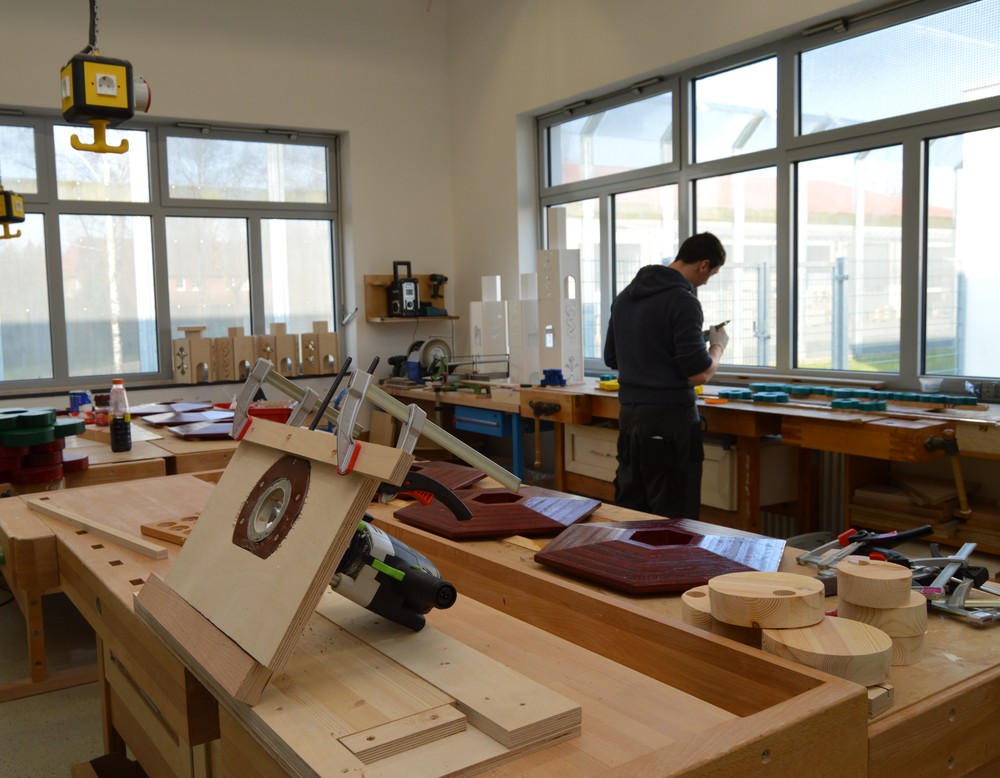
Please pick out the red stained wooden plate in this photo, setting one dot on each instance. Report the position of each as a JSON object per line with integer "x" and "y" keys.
{"x": 658, "y": 555}
{"x": 498, "y": 513}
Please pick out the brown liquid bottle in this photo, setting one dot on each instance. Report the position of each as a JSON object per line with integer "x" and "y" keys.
{"x": 121, "y": 419}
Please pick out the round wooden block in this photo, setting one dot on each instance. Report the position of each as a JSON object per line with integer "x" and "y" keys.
{"x": 695, "y": 609}
{"x": 874, "y": 583}
{"x": 748, "y": 636}
{"x": 902, "y": 622}
{"x": 759, "y": 599}
{"x": 907, "y": 650}
{"x": 841, "y": 647}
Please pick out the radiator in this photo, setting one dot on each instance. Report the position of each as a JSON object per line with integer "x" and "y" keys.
{"x": 831, "y": 502}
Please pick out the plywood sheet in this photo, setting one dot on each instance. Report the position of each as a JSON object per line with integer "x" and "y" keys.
{"x": 261, "y": 603}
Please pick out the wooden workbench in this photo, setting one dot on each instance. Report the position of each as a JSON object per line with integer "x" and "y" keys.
{"x": 710, "y": 707}
{"x": 946, "y": 705}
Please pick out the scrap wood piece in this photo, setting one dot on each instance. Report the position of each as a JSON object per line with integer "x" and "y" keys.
{"x": 379, "y": 742}
{"x": 880, "y": 698}
{"x": 509, "y": 707}
{"x": 174, "y": 531}
{"x": 925, "y": 490}
{"x": 45, "y": 506}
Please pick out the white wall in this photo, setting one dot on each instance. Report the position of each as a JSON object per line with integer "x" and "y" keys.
{"x": 509, "y": 59}
{"x": 435, "y": 96}
{"x": 374, "y": 69}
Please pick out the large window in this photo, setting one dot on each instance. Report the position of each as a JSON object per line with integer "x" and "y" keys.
{"x": 848, "y": 171}
{"x": 202, "y": 226}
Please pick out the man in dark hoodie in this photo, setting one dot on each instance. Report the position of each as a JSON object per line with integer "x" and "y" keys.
{"x": 656, "y": 342}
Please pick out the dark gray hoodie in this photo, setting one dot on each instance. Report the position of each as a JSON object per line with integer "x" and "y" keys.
{"x": 655, "y": 338}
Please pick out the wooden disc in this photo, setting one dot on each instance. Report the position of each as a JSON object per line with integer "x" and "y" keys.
{"x": 841, "y": 647}
{"x": 695, "y": 608}
{"x": 902, "y": 622}
{"x": 907, "y": 650}
{"x": 758, "y": 599}
{"x": 874, "y": 583}
{"x": 748, "y": 636}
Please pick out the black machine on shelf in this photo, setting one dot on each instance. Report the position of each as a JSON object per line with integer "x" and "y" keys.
{"x": 403, "y": 293}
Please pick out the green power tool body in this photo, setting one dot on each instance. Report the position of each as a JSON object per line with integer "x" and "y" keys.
{"x": 389, "y": 578}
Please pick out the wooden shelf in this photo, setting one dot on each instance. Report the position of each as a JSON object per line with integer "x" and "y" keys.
{"x": 405, "y": 319}
{"x": 376, "y": 304}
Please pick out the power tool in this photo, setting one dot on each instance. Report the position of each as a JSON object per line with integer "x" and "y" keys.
{"x": 389, "y": 578}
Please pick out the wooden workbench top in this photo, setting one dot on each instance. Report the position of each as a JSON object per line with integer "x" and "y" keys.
{"x": 720, "y": 719}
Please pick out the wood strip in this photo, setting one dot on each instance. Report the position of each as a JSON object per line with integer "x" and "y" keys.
{"x": 386, "y": 464}
{"x": 44, "y": 506}
{"x": 376, "y": 743}
{"x": 504, "y": 704}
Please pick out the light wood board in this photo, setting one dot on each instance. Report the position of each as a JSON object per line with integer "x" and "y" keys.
{"x": 263, "y": 604}
{"x": 841, "y": 647}
{"x": 759, "y": 599}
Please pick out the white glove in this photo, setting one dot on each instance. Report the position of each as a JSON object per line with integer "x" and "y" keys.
{"x": 717, "y": 336}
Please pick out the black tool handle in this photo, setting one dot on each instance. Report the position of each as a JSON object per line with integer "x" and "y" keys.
{"x": 890, "y": 539}
{"x": 396, "y": 266}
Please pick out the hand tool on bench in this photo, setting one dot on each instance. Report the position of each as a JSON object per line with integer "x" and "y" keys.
{"x": 263, "y": 373}
{"x": 852, "y": 542}
{"x": 978, "y": 612}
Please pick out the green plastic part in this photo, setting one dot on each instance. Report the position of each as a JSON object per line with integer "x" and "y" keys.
{"x": 392, "y": 572}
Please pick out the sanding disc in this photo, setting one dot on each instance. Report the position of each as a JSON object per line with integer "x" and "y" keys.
{"x": 874, "y": 583}
{"x": 759, "y": 599}
{"x": 841, "y": 647}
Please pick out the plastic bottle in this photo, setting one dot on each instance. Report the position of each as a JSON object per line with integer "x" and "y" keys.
{"x": 121, "y": 418}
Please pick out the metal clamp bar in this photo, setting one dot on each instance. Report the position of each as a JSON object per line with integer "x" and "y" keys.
{"x": 347, "y": 446}
{"x": 381, "y": 399}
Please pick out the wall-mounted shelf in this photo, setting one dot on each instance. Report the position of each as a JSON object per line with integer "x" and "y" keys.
{"x": 376, "y": 303}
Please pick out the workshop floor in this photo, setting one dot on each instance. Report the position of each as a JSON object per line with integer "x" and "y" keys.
{"x": 44, "y": 735}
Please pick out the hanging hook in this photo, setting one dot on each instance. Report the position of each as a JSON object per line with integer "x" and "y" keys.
{"x": 7, "y": 234}
{"x": 100, "y": 143}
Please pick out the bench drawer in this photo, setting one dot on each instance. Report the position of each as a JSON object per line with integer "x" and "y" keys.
{"x": 591, "y": 451}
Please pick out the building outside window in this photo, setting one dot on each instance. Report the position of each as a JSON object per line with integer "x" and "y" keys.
{"x": 193, "y": 226}
{"x": 847, "y": 170}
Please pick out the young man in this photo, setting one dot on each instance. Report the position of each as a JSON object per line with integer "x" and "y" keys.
{"x": 656, "y": 343}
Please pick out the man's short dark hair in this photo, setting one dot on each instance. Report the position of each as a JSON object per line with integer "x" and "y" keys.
{"x": 703, "y": 245}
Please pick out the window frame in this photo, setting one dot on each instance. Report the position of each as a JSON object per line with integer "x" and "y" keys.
{"x": 160, "y": 207}
{"x": 911, "y": 131}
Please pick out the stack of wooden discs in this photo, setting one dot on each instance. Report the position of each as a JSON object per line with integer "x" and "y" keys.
{"x": 788, "y": 612}
{"x": 32, "y": 443}
{"x": 743, "y": 604}
{"x": 879, "y": 593}
{"x": 696, "y": 611}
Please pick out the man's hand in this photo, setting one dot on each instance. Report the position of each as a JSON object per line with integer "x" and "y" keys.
{"x": 717, "y": 336}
